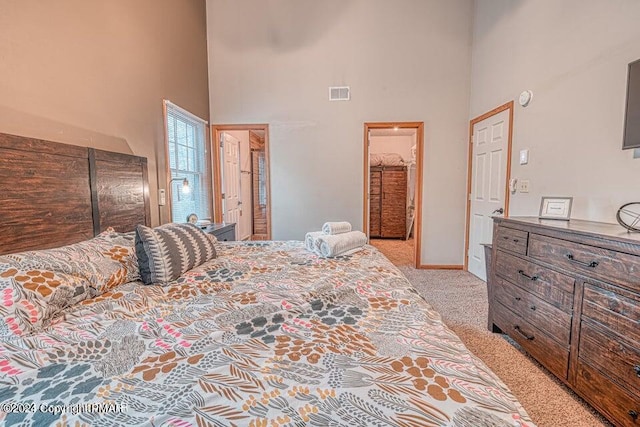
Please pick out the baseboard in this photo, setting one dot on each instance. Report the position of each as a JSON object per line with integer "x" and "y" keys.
{"x": 441, "y": 267}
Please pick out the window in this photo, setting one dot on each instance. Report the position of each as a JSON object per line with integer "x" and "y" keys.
{"x": 187, "y": 147}
{"x": 262, "y": 187}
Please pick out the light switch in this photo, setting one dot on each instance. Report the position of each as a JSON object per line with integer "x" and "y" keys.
{"x": 162, "y": 197}
{"x": 523, "y": 185}
{"x": 524, "y": 157}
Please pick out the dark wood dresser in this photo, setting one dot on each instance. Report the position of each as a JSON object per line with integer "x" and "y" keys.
{"x": 224, "y": 232}
{"x": 569, "y": 294}
{"x": 388, "y": 202}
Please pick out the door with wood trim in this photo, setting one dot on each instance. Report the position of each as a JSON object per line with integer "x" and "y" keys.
{"x": 375, "y": 197}
{"x": 259, "y": 146}
{"x": 231, "y": 179}
{"x": 489, "y": 174}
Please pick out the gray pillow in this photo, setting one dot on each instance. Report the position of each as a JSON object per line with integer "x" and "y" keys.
{"x": 166, "y": 252}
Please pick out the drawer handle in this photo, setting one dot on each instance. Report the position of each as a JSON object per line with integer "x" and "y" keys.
{"x": 637, "y": 369}
{"x": 592, "y": 264}
{"x": 518, "y": 330}
{"x": 533, "y": 307}
{"x": 633, "y": 414}
{"x": 523, "y": 274}
{"x": 515, "y": 240}
{"x": 517, "y": 298}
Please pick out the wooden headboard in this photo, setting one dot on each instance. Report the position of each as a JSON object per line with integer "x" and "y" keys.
{"x": 54, "y": 194}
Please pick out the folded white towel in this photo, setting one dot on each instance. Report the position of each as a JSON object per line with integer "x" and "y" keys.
{"x": 336, "y": 227}
{"x": 338, "y": 244}
{"x": 310, "y": 240}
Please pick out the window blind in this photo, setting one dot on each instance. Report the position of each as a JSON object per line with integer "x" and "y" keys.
{"x": 187, "y": 147}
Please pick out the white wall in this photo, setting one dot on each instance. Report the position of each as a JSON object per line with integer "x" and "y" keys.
{"x": 400, "y": 144}
{"x": 271, "y": 61}
{"x": 573, "y": 55}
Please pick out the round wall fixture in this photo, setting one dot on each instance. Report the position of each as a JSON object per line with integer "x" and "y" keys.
{"x": 525, "y": 98}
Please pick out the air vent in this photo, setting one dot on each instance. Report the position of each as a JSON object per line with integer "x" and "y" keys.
{"x": 339, "y": 93}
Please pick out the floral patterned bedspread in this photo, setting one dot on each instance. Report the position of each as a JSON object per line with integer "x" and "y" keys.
{"x": 267, "y": 334}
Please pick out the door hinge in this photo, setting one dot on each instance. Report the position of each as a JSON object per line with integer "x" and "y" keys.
{"x": 469, "y": 196}
{"x": 471, "y": 140}
{"x": 223, "y": 196}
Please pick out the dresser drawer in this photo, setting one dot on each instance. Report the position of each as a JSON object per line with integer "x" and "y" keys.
{"x": 223, "y": 232}
{"x": 534, "y": 310}
{"x": 609, "y": 398}
{"x": 512, "y": 240}
{"x": 609, "y": 266}
{"x": 616, "y": 358}
{"x": 535, "y": 342}
{"x": 227, "y": 236}
{"x": 618, "y": 312}
{"x": 553, "y": 287}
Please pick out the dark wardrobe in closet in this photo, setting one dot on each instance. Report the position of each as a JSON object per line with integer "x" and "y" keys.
{"x": 388, "y": 202}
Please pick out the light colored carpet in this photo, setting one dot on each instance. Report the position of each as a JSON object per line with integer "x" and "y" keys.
{"x": 461, "y": 299}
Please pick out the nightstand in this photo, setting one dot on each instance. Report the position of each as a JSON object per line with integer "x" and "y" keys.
{"x": 224, "y": 232}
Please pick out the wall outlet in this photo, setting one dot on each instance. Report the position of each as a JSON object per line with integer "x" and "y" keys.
{"x": 523, "y": 185}
{"x": 162, "y": 197}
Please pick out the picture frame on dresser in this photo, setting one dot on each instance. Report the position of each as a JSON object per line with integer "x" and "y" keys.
{"x": 555, "y": 208}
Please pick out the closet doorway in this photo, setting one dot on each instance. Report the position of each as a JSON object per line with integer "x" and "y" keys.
{"x": 241, "y": 179}
{"x": 393, "y": 189}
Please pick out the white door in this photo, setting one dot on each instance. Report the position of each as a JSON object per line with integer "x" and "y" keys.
{"x": 245, "y": 227}
{"x": 231, "y": 179}
{"x": 488, "y": 184}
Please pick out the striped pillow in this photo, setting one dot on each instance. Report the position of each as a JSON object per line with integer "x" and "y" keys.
{"x": 166, "y": 252}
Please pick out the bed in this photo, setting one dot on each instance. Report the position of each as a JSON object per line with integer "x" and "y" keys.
{"x": 265, "y": 334}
